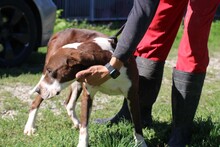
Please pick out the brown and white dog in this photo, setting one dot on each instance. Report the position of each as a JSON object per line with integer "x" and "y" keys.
{"x": 71, "y": 51}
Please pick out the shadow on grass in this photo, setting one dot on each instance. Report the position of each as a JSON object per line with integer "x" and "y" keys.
{"x": 205, "y": 134}
{"x": 33, "y": 65}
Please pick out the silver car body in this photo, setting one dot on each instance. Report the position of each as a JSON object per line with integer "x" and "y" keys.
{"x": 47, "y": 11}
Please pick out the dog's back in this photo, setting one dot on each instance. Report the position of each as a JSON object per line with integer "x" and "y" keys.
{"x": 71, "y": 35}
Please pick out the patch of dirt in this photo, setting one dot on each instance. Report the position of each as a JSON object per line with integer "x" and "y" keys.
{"x": 10, "y": 114}
{"x": 213, "y": 68}
{"x": 18, "y": 90}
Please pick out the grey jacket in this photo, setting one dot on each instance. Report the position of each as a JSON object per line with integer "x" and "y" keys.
{"x": 137, "y": 23}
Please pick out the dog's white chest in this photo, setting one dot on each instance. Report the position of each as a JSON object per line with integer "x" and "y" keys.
{"x": 118, "y": 86}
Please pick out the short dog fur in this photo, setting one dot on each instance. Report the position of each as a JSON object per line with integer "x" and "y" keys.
{"x": 71, "y": 51}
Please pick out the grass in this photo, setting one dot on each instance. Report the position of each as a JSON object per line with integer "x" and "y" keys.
{"x": 54, "y": 126}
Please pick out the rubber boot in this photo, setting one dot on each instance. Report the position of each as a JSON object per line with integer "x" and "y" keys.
{"x": 150, "y": 77}
{"x": 186, "y": 91}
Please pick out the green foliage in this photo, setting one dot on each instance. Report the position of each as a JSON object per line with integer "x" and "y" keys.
{"x": 62, "y": 24}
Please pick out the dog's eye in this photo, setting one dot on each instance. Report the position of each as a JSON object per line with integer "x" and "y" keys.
{"x": 49, "y": 70}
{"x": 52, "y": 73}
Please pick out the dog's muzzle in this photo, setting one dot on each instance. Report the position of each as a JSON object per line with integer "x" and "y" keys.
{"x": 46, "y": 90}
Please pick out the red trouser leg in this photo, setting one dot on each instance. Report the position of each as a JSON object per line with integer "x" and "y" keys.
{"x": 162, "y": 31}
{"x": 193, "y": 50}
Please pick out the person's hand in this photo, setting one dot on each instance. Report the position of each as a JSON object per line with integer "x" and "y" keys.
{"x": 95, "y": 75}
{"x": 98, "y": 74}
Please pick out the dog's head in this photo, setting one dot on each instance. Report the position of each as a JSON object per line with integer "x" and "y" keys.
{"x": 62, "y": 67}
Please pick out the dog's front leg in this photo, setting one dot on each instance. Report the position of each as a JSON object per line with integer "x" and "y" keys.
{"x": 70, "y": 103}
{"x": 30, "y": 125}
{"x": 86, "y": 106}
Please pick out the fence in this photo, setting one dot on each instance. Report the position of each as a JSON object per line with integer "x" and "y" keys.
{"x": 94, "y": 10}
{"x": 99, "y": 10}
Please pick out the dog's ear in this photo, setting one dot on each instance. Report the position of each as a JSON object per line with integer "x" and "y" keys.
{"x": 71, "y": 56}
{"x": 80, "y": 57}
{"x": 98, "y": 57}
{"x": 88, "y": 57}
{"x": 71, "y": 62}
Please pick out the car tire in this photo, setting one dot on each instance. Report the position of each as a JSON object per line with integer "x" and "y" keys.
{"x": 18, "y": 32}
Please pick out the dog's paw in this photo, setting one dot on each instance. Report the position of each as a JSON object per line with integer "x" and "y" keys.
{"x": 139, "y": 140}
{"x": 76, "y": 123}
{"x": 141, "y": 144}
{"x": 76, "y": 126}
{"x": 82, "y": 144}
{"x": 29, "y": 131}
{"x": 83, "y": 137}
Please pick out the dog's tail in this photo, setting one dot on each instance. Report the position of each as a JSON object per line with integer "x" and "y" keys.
{"x": 115, "y": 37}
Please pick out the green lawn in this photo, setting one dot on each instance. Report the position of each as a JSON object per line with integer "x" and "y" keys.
{"x": 54, "y": 126}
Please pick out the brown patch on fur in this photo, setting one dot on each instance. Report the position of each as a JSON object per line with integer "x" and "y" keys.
{"x": 36, "y": 103}
{"x": 86, "y": 105}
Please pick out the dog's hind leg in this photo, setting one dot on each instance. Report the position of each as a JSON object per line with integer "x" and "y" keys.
{"x": 30, "y": 125}
{"x": 70, "y": 103}
{"x": 86, "y": 107}
{"x": 133, "y": 102}
{"x": 133, "y": 105}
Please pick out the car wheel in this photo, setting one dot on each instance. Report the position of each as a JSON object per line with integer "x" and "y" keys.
{"x": 18, "y": 32}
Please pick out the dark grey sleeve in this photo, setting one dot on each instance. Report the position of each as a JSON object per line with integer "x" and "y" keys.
{"x": 137, "y": 23}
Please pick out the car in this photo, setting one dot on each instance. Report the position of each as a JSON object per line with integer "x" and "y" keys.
{"x": 25, "y": 25}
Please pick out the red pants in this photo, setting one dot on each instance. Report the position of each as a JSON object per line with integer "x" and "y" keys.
{"x": 193, "y": 48}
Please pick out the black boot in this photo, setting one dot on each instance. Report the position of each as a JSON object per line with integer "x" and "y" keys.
{"x": 186, "y": 91}
{"x": 150, "y": 77}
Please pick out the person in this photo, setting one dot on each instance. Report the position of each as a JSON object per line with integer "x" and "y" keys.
{"x": 149, "y": 33}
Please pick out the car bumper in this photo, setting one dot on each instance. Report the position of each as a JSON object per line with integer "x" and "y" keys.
{"x": 47, "y": 10}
